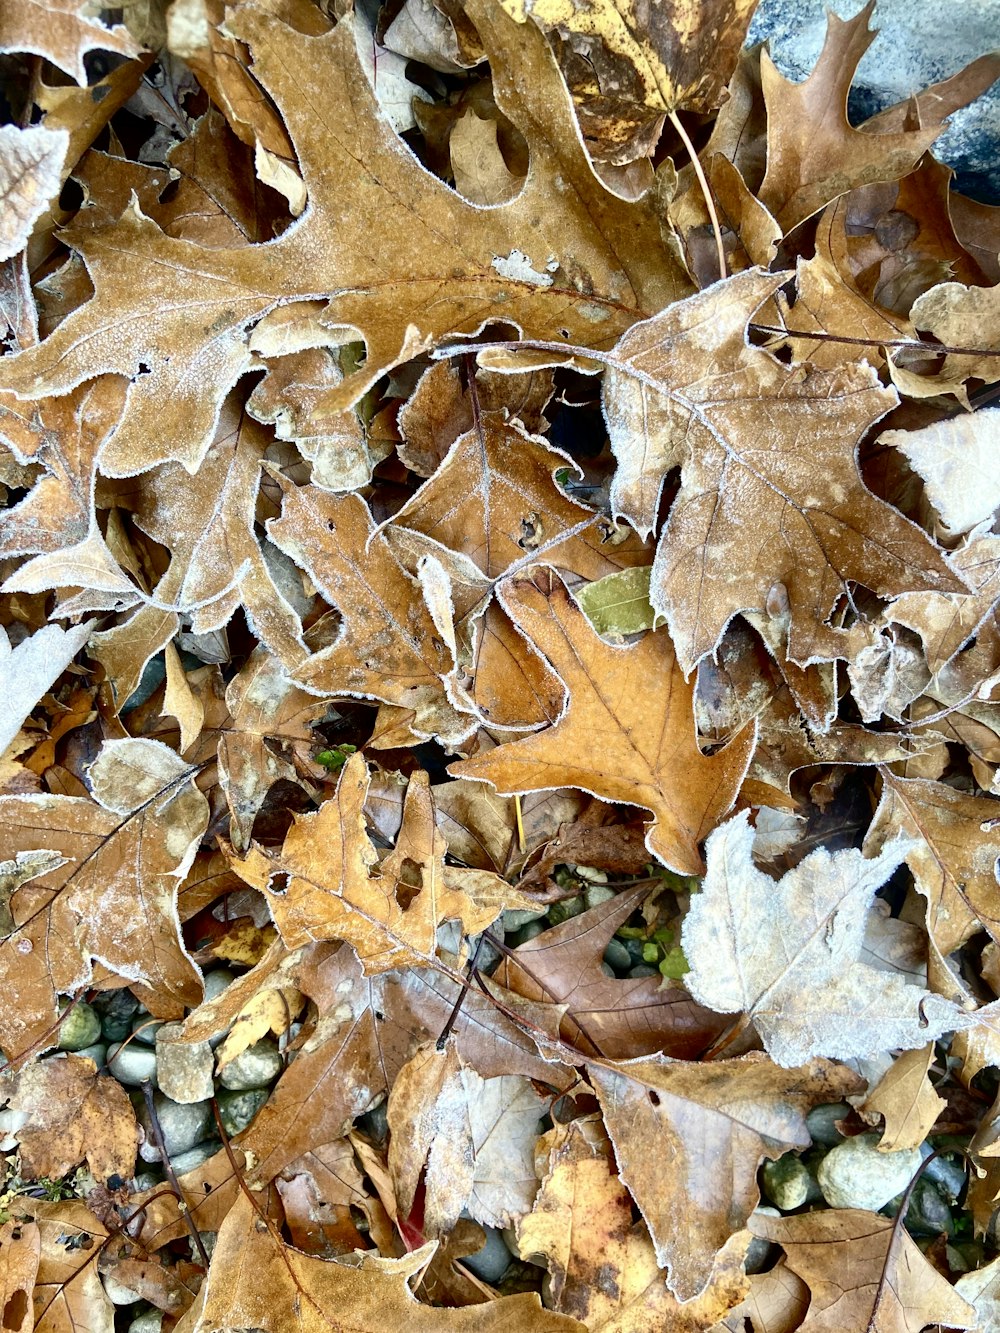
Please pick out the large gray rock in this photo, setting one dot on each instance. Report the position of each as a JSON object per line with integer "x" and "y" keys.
{"x": 856, "y": 1175}
{"x": 918, "y": 44}
{"x": 183, "y": 1068}
{"x": 133, "y": 1065}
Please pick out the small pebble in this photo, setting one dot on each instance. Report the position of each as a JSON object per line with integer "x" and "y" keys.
{"x": 488, "y": 954}
{"x": 148, "y": 1322}
{"x": 928, "y": 1214}
{"x": 117, "y": 1292}
{"x": 821, "y": 1123}
{"x": 597, "y": 894}
{"x": 255, "y": 1067}
{"x": 644, "y": 970}
{"x": 375, "y": 1122}
{"x": 758, "y": 1254}
{"x": 220, "y": 979}
{"x": 117, "y": 1009}
{"x": 145, "y": 1029}
{"x": 145, "y": 1180}
{"x": 617, "y": 955}
{"x": 609, "y": 971}
{"x": 98, "y": 1053}
{"x": 566, "y": 908}
{"x": 948, "y": 1175}
{"x": 787, "y": 1182}
{"x": 237, "y": 1109}
{"x": 491, "y": 1262}
{"x": 135, "y": 1065}
{"x": 527, "y": 932}
{"x": 518, "y": 917}
{"x": 856, "y": 1175}
{"x": 182, "y": 1124}
{"x": 194, "y": 1157}
{"x": 184, "y": 1069}
{"x": 80, "y": 1027}
{"x": 635, "y": 948}
{"x": 592, "y": 875}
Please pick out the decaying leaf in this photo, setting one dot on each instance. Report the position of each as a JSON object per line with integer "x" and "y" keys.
{"x": 62, "y": 31}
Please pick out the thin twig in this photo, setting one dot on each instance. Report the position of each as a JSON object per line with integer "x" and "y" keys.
{"x": 439, "y": 1045}
{"x": 911, "y": 344}
{"x": 154, "y": 1124}
{"x": 703, "y": 182}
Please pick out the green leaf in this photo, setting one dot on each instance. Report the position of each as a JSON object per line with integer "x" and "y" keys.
{"x": 619, "y": 603}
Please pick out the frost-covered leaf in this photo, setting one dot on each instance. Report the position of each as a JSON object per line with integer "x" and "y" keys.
{"x": 786, "y": 953}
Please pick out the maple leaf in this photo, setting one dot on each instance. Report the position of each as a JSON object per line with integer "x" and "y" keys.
{"x": 714, "y": 1123}
{"x": 786, "y": 954}
{"x": 305, "y": 1293}
{"x": 863, "y": 1271}
{"x": 736, "y": 432}
{"x": 454, "y": 265}
{"x": 604, "y": 1015}
{"x": 613, "y": 739}
{"x": 61, "y": 31}
{"x": 97, "y": 879}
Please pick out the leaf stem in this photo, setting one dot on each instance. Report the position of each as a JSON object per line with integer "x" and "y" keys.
{"x": 154, "y": 1124}
{"x": 707, "y": 193}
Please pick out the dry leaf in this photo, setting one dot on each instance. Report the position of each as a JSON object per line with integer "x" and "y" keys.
{"x": 647, "y": 754}
{"x": 907, "y": 1100}
{"x": 736, "y": 434}
{"x": 305, "y": 1293}
{"x": 786, "y": 953}
{"x": 863, "y": 1272}
{"x": 689, "y": 1138}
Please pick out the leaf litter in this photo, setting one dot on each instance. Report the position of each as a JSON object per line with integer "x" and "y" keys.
{"x": 498, "y": 597}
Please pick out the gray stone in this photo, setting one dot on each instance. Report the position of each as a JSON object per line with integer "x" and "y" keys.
{"x": 948, "y": 1175}
{"x": 760, "y": 1249}
{"x": 597, "y": 894}
{"x": 145, "y": 1029}
{"x": 918, "y": 44}
{"x": 237, "y": 1109}
{"x": 194, "y": 1157}
{"x": 617, "y": 956}
{"x": 117, "y": 1292}
{"x": 644, "y": 970}
{"x": 485, "y": 952}
{"x": 565, "y": 908}
{"x": 98, "y": 1053}
{"x": 182, "y": 1124}
{"x": 375, "y": 1122}
{"x": 787, "y": 1182}
{"x": 928, "y": 1214}
{"x": 184, "y": 1069}
{"x": 491, "y": 1262}
{"x": 135, "y": 1064}
{"x": 117, "y": 1009}
{"x": 148, "y": 1322}
{"x": 592, "y": 874}
{"x": 856, "y": 1175}
{"x": 145, "y": 1180}
{"x": 255, "y": 1067}
{"x": 608, "y": 970}
{"x": 821, "y": 1123}
{"x": 526, "y": 932}
{"x": 635, "y": 948}
{"x": 518, "y": 917}
{"x": 80, "y": 1027}
{"x": 218, "y": 980}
